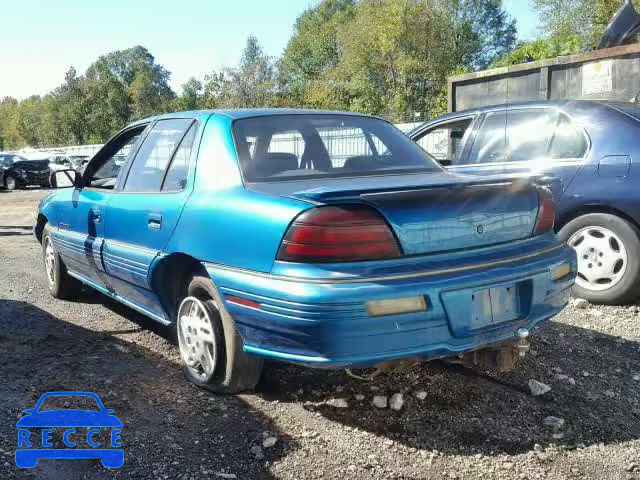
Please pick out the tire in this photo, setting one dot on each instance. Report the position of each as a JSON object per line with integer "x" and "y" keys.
{"x": 10, "y": 183}
{"x": 61, "y": 285}
{"x": 227, "y": 368}
{"x": 608, "y": 249}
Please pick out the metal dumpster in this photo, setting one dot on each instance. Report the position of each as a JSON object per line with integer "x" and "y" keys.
{"x": 610, "y": 74}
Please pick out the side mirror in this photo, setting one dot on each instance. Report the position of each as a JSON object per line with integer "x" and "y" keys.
{"x": 64, "y": 178}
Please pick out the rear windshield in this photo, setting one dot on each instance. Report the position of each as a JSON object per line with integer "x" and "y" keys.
{"x": 299, "y": 147}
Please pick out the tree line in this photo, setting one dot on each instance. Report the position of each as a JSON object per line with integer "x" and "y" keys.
{"x": 568, "y": 27}
{"x": 384, "y": 57}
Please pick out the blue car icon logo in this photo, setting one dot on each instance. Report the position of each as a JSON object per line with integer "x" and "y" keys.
{"x": 69, "y": 433}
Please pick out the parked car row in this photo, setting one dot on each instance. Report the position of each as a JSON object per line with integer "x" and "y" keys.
{"x": 17, "y": 171}
{"x": 591, "y": 147}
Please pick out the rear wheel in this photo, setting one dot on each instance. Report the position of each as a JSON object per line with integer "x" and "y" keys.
{"x": 210, "y": 346}
{"x": 10, "y": 183}
{"x": 61, "y": 284}
{"x": 608, "y": 249}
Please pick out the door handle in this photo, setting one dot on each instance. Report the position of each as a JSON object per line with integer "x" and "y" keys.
{"x": 95, "y": 215}
{"x": 154, "y": 221}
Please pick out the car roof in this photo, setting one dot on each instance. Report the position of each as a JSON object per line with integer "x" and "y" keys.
{"x": 238, "y": 113}
{"x": 565, "y": 104}
{"x": 531, "y": 103}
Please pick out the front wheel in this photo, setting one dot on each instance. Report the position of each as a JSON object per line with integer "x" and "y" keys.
{"x": 210, "y": 346}
{"x": 608, "y": 249}
{"x": 10, "y": 183}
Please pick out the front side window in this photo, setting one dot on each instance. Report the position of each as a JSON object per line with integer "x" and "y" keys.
{"x": 444, "y": 141}
{"x": 149, "y": 165}
{"x": 103, "y": 172}
{"x": 299, "y": 147}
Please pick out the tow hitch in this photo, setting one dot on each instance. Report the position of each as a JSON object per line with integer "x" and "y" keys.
{"x": 503, "y": 357}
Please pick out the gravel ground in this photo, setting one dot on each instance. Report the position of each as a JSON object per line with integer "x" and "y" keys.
{"x": 454, "y": 422}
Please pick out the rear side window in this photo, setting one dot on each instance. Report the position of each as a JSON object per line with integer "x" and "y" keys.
{"x": 444, "y": 141}
{"x": 152, "y": 159}
{"x": 490, "y": 145}
{"x": 176, "y": 178}
{"x": 568, "y": 141}
{"x": 529, "y": 132}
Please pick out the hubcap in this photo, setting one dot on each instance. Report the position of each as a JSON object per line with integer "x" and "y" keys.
{"x": 602, "y": 258}
{"x": 50, "y": 261}
{"x": 196, "y": 338}
{"x": 11, "y": 183}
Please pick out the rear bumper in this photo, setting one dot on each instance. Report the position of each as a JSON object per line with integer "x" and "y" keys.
{"x": 323, "y": 322}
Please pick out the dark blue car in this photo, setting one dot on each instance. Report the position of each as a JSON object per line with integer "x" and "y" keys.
{"x": 322, "y": 238}
{"x": 592, "y": 148}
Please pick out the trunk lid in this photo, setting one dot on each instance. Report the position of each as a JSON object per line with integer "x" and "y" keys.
{"x": 454, "y": 218}
{"x": 434, "y": 212}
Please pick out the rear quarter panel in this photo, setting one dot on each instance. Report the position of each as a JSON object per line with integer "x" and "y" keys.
{"x": 222, "y": 221}
{"x": 612, "y": 134}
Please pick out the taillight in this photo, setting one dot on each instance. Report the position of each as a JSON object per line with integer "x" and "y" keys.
{"x": 546, "y": 212}
{"x": 338, "y": 234}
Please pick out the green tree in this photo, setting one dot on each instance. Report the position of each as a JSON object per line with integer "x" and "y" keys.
{"x": 69, "y": 110}
{"x": 541, "y": 49}
{"x": 117, "y": 88}
{"x": 313, "y": 48}
{"x": 109, "y": 106}
{"x": 144, "y": 81}
{"x": 250, "y": 84}
{"x": 584, "y": 18}
{"x": 390, "y": 57}
{"x": 26, "y": 122}
{"x": 388, "y": 63}
{"x": 214, "y": 85}
{"x": 481, "y": 31}
{"x": 191, "y": 96}
{"x": 7, "y": 108}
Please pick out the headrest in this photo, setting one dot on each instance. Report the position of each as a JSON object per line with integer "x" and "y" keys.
{"x": 361, "y": 162}
{"x": 275, "y": 162}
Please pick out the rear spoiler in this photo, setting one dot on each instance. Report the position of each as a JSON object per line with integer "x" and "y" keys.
{"x": 554, "y": 184}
